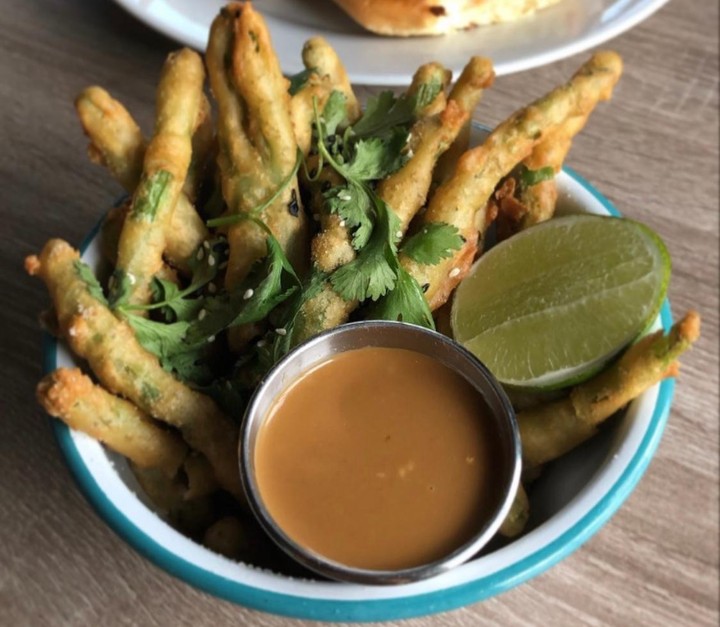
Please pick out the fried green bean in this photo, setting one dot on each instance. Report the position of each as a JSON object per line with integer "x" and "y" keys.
{"x": 517, "y": 517}
{"x": 332, "y": 247}
{"x": 203, "y": 149}
{"x": 228, "y": 536}
{"x": 405, "y": 191}
{"x": 190, "y": 516}
{"x": 117, "y": 143}
{"x": 126, "y": 368}
{"x": 318, "y": 55}
{"x": 72, "y": 397}
{"x": 302, "y": 109}
{"x": 551, "y": 430}
{"x": 462, "y": 200}
{"x": 165, "y": 166}
{"x": 257, "y": 144}
{"x": 519, "y": 205}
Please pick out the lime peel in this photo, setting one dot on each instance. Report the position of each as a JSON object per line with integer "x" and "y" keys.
{"x": 552, "y": 305}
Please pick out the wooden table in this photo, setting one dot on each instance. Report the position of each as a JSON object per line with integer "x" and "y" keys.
{"x": 653, "y": 151}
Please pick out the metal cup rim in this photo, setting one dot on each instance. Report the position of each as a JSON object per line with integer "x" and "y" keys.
{"x": 255, "y": 415}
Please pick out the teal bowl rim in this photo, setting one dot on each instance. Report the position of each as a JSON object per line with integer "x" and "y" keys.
{"x": 374, "y": 609}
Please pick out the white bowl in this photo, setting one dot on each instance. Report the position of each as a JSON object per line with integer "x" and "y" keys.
{"x": 570, "y": 502}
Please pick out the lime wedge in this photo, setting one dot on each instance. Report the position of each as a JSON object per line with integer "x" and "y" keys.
{"x": 551, "y": 305}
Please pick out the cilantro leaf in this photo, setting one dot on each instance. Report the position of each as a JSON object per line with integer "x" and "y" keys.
{"x": 384, "y": 111}
{"x": 271, "y": 283}
{"x": 334, "y": 113}
{"x": 352, "y": 203}
{"x": 405, "y": 303}
{"x": 376, "y": 158}
{"x": 528, "y": 178}
{"x": 433, "y": 242}
{"x": 167, "y": 342}
{"x": 373, "y": 272}
{"x": 93, "y": 285}
{"x": 173, "y": 306}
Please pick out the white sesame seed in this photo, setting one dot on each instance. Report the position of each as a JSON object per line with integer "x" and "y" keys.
{"x": 211, "y": 339}
{"x": 211, "y": 260}
{"x": 409, "y": 137}
{"x": 201, "y": 314}
{"x": 281, "y": 331}
{"x": 200, "y": 254}
{"x": 398, "y": 234}
{"x": 72, "y": 331}
{"x": 206, "y": 245}
{"x": 342, "y": 222}
{"x": 344, "y": 196}
{"x": 410, "y": 153}
{"x": 454, "y": 272}
{"x": 261, "y": 343}
{"x": 212, "y": 288}
{"x": 131, "y": 279}
{"x": 248, "y": 294}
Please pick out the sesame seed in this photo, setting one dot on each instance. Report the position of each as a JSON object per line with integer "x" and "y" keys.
{"x": 410, "y": 153}
{"x": 206, "y": 245}
{"x": 201, "y": 314}
{"x": 211, "y": 260}
{"x": 342, "y": 222}
{"x": 409, "y": 137}
{"x": 200, "y": 254}
{"x": 344, "y": 196}
{"x": 131, "y": 278}
{"x": 398, "y": 234}
{"x": 248, "y": 294}
{"x": 454, "y": 272}
{"x": 261, "y": 343}
{"x": 211, "y": 339}
{"x": 281, "y": 331}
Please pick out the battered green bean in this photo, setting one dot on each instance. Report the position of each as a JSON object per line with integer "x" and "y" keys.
{"x": 462, "y": 200}
{"x": 126, "y": 368}
{"x": 165, "y": 166}
{"x": 551, "y": 430}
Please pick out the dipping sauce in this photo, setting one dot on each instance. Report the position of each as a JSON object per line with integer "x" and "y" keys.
{"x": 380, "y": 459}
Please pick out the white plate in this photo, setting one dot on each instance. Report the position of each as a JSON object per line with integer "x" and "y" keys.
{"x": 553, "y": 33}
{"x": 571, "y": 501}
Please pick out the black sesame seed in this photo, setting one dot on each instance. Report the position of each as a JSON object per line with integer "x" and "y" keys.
{"x": 293, "y": 206}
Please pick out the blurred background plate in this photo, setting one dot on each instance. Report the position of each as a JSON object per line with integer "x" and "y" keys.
{"x": 554, "y": 33}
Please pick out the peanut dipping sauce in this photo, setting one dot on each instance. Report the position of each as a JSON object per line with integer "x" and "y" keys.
{"x": 379, "y": 459}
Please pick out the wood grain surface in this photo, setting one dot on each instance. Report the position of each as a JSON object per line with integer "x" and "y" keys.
{"x": 653, "y": 151}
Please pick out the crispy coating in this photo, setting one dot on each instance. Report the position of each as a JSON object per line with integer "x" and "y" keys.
{"x": 117, "y": 142}
{"x": 319, "y": 55}
{"x": 256, "y": 138}
{"x": 165, "y": 166}
{"x": 190, "y": 516}
{"x": 314, "y": 93}
{"x": 227, "y": 536}
{"x": 405, "y": 191}
{"x": 536, "y": 203}
{"x": 517, "y": 517}
{"x": 126, "y": 368}
{"x": 203, "y": 149}
{"x": 72, "y": 397}
{"x": 332, "y": 247}
{"x": 551, "y": 430}
{"x": 462, "y": 200}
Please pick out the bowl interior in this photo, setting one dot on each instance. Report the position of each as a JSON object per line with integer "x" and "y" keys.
{"x": 569, "y": 503}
